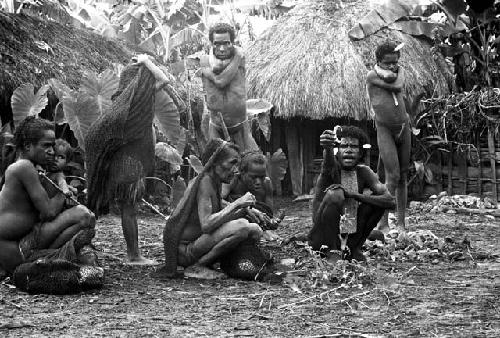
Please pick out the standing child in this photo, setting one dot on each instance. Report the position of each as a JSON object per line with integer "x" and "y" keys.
{"x": 385, "y": 84}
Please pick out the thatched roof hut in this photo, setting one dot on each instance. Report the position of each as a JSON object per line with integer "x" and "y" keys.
{"x": 34, "y": 50}
{"x": 314, "y": 74}
{"x": 307, "y": 66}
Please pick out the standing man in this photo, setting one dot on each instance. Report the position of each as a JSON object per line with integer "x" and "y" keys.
{"x": 223, "y": 76}
{"x": 342, "y": 214}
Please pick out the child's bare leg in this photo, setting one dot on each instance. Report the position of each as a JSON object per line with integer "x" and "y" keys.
{"x": 388, "y": 154}
{"x": 401, "y": 200}
{"x": 131, "y": 234}
{"x": 383, "y": 224}
{"x": 404, "y": 150}
{"x": 57, "y": 232}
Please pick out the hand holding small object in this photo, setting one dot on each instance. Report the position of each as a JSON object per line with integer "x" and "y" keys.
{"x": 246, "y": 200}
{"x": 328, "y": 138}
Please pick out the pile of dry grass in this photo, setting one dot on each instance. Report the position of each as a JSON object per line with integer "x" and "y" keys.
{"x": 33, "y": 50}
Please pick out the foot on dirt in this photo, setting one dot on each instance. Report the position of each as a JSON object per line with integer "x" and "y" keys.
{"x": 3, "y": 274}
{"x": 358, "y": 255}
{"x": 398, "y": 232}
{"x": 140, "y": 261}
{"x": 88, "y": 256}
{"x": 383, "y": 227}
{"x": 203, "y": 272}
{"x": 333, "y": 257}
{"x": 377, "y": 235}
{"x": 270, "y": 235}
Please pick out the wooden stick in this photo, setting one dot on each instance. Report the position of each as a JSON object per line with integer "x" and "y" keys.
{"x": 450, "y": 170}
{"x": 468, "y": 211}
{"x": 491, "y": 148}
{"x": 155, "y": 210}
{"x": 58, "y": 188}
{"x": 223, "y": 126}
{"x": 309, "y": 298}
{"x": 480, "y": 173}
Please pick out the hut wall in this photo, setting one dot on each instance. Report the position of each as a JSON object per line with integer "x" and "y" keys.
{"x": 463, "y": 172}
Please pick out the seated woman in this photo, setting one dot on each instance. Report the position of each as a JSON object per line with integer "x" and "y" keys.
{"x": 202, "y": 229}
{"x": 34, "y": 227}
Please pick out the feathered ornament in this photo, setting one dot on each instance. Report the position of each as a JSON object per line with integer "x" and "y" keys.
{"x": 399, "y": 47}
{"x": 338, "y": 128}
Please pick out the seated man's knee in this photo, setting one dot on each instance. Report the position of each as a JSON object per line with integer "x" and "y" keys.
{"x": 244, "y": 229}
{"x": 334, "y": 196}
{"x": 84, "y": 216}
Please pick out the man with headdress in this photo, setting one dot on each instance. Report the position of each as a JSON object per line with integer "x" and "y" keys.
{"x": 202, "y": 228}
{"x": 343, "y": 216}
{"x": 223, "y": 76}
{"x": 120, "y": 148}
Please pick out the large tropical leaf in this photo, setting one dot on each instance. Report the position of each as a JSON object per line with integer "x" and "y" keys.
{"x": 25, "y": 102}
{"x": 167, "y": 117}
{"x": 81, "y": 111}
{"x": 260, "y": 109}
{"x": 178, "y": 189}
{"x": 195, "y": 163}
{"x": 46, "y": 8}
{"x": 131, "y": 31}
{"x": 100, "y": 88}
{"x": 168, "y": 153}
{"x": 59, "y": 89}
{"x": 193, "y": 33}
{"x": 278, "y": 166}
{"x": 453, "y": 8}
{"x": 265, "y": 125}
{"x": 152, "y": 43}
{"x": 181, "y": 143}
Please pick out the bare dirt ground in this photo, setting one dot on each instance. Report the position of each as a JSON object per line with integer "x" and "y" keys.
{"x": 455, "y": 294}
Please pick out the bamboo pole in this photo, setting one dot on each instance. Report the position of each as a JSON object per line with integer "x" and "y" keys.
{"x": 440, "y": 161}
{"x": 491, "y": 148}
{"x": 480, "y": 173}
{"x": 450, "y": 171}
{"x": 462, "y": 172}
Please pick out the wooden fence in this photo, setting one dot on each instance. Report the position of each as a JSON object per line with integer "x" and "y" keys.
{"x": 475, "y": 171}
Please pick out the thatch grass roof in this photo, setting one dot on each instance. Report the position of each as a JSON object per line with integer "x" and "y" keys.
{"x": 72, "y": 52}
{"x": 307, "y": 66}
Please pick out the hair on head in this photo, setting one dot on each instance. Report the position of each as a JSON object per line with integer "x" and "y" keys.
{"x": 212, "y": 146}
{"x": 68, "y": 150}
{"x": 253, "y": 157}
{"x": 30, "y": 130}
{"x": 354, "y": 132}
{"x": 221, "y": 28}
{"x": 386, "y": 47}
